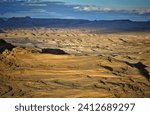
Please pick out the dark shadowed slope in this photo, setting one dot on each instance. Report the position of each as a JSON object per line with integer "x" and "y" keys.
{"x": 4, "y": 45}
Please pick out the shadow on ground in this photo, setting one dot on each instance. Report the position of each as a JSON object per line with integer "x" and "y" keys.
{"x": 141, "y": 68}
{"x": 4, "y": 45}
{"x": 54, "y": 51}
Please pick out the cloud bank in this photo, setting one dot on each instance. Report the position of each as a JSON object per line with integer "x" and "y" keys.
{"x": 60, "y": 9}
{"x": 106, "y": 9}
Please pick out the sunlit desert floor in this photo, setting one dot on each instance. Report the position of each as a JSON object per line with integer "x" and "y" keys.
{"x": 44, "y": 62}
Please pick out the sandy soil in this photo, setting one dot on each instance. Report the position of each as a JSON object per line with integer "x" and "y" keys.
{"x": 44, "y": 62}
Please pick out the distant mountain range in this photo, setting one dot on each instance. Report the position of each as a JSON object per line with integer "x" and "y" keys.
{"x": 103, "y": 25}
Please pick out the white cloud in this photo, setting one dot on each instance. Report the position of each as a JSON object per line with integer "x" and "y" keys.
{"x": 91, "y": 8}
{"x": 38, "y": 10}
{"x": 105, "y": 9}
{"x": 141, "y": 11}
{"x": 34, "y": 4}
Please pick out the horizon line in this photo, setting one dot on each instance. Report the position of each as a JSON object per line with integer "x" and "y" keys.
{"x": 73, "y": 19}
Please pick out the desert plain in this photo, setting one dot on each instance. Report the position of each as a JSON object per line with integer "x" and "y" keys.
{"x": 52, "y": 62}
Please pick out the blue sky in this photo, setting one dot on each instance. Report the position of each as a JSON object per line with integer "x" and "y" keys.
{"x": 138, "y": 10}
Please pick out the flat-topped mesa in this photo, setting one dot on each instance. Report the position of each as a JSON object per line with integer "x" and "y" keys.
{"x": 105, "y": 25}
